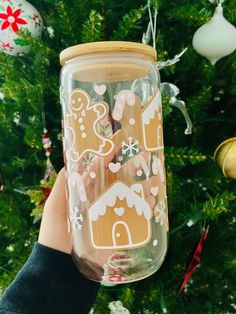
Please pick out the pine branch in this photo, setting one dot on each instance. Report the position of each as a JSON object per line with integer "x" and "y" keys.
{"x": 213, "y": 207}
{"x": 130, "y": 23}
{"x": 93, "y": 28}
{"x": 67, "y": 22}
{"x": 190, "y": 14}
{"x": 183, "y": 156}
{"x": 218, "y": 205}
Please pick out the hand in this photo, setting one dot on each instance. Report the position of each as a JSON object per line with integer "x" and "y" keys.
{"x": 54, "y": 226}
{"x": 54, "y": 230}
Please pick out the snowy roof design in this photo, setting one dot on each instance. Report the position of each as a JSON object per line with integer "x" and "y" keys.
{"x": 121, "y": 191}
{"x": 149, "y": 112}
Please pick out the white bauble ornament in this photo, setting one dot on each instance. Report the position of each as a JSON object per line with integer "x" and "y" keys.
{"x": 17, "y": 15}
{"x": 215, "y": 39}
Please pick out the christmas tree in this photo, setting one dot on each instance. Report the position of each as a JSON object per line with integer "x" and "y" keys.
{"x": 199, "y": 196}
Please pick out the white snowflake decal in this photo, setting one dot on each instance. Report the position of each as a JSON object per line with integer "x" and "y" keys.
{"x": 160, "y": 214}
{"x": 76, "y": 220}
{"x": 130, "y": 148}
{"x": 88, "y": 161}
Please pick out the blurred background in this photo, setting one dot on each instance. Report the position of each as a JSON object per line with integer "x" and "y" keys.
{"x": 200, "y": 198}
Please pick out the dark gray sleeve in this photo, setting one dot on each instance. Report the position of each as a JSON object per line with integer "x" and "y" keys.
{"x": 49, "y": 283}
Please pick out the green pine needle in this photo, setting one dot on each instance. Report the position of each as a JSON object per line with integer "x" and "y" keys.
{"x": 130, "y": 23}
{"x": 93, "y": 28}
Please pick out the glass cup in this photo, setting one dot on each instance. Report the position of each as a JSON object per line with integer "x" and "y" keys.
{"x": 114, "y": 159}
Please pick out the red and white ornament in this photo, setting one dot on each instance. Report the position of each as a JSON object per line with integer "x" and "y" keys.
{"x": 16, "y": 15}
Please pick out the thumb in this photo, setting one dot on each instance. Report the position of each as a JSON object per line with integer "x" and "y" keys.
{"x": 54, "y": 226}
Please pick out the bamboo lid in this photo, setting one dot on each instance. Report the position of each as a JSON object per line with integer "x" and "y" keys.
{"x": 107, "y": 46}
{"x": 109, "y": 72}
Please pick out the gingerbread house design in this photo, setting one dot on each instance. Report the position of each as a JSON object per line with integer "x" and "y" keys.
{"x": 152, "y": 124}
{"x": 120, "y": 218}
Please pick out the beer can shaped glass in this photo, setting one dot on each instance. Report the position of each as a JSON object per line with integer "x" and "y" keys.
{"x": 114, "y": 158}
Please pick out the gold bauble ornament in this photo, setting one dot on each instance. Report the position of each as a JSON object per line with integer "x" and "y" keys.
{"x": 225, "y": 157}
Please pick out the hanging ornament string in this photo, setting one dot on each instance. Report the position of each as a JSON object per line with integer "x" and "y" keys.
{"x": 153, "y": 24}
{"x": 168, "y": 89}
{"x": 152, "y": 32}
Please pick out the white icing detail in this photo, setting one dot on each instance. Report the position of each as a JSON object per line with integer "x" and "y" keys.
{"x": 121, "y": 191}
{"x": 131, "y": 147}
{"x": 118, "y": 235}
{"x": 82, "y": 127}
{"x": 157, "y": 167}
{"x": 154, "y": 190}
{"x": 80, "y": 120}
{"x": 138, "y": 189}
{"x": 128, "y": 246}
{"x": 119, "y": 211}
{"x": 155, "y": 242}
{"x": 75, "y": 220}
{"x": 149, "y": 112}
{"x": 100, "y": 89}
{"x": 140, "y": 161}
{"x": 69, "y": 138}
{"x": 76, "y": 108}
{"x": 84, "y": 135}
{"x": 147, "y": 116}
{"x": 81, "y": 218}
{"x": 160, "y": 214}
{"x": 159, "y": 135}
{"x": 127, "y": 231}
{"x": 139, "y": 173}
{"x": 92, "y": 175}
{"x": 114, "y": 167}
{"x": 132, "y": 121}
{"x": 124, "y": 96}
{"x": 76, "y": 181}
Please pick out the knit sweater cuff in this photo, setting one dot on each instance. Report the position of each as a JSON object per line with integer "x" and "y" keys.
{"x": 49, "y": 282}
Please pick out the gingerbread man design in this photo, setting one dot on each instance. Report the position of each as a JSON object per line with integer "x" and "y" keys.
{"x": 82, "y": 126}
